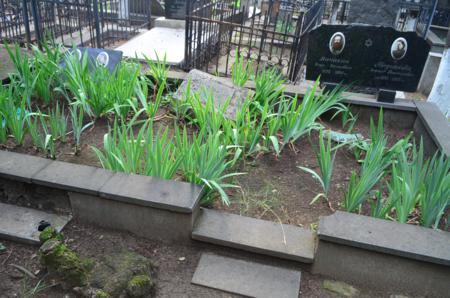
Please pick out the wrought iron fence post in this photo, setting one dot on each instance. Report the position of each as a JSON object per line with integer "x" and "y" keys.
{"x": 36, "y": 19}
{"x": 97, "y": 24}
{"x": 26, "y": 21}
{"x": 187, "y": 35}
{"x": 149, "y": 14}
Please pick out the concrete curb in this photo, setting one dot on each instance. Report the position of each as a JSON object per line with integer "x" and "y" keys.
{"x": 118, "y": 197}
{"x": 383, "y": 255}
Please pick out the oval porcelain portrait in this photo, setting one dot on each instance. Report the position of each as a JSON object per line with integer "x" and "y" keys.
{"x": 337, "y": 43}
{"x": 399, "y": 48}
{"x": 103, "y": 59}
{"x": 79, "y": 54}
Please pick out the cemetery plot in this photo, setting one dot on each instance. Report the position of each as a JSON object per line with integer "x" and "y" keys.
{"x": 259, "y": 153}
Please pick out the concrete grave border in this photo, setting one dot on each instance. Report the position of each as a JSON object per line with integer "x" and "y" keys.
{"x": 167, "y": 210}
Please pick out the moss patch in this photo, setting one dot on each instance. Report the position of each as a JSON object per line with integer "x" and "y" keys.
{"x": 140, "y": 286}
{"x": 63, "y": 263}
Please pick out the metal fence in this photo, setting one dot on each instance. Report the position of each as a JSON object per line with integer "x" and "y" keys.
{"x": 98, "y": 23}
{"x": 336, "y": 11}
{"x": 270, "y": 34}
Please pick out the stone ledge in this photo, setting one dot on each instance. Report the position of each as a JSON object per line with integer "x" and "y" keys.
{"x": 387, "y": 237}
{"x": 436, "y": 124}
{"x": 72, "y": 177}
{"x": 152, "y": 192}
{"x": 255, "y": 235}
{"x": 140, "y": 190}
{"x": 20, "y": 167}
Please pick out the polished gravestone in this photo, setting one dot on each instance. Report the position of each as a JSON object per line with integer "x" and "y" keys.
{"x": 366, "y": 56}
{"x": 107, "y": 58}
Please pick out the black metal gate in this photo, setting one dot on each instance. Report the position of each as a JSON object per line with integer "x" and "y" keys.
{"x": 267, "y": 35}
{"x": 98, "y": 23}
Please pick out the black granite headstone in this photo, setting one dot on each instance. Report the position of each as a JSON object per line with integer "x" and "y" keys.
{"x": 104, "y": 57}
{"x": 175, "y": 9}
{"x": 366, "y": 56}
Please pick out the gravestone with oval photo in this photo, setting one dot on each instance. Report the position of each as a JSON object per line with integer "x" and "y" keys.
{"x": 98, "y": 57}
{"x": 366, "y": 56}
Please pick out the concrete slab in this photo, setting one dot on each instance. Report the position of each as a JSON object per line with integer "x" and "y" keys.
{"x": 20, "y": 167}
{"x": 21, "y": 224}
{"x": 222, "y": 89}
{"x": 246, "y": 278}
{"x": 152, "y": 192}
{"x": 387, "y": 237}
{"x": 436, "y": 124}
{"x": 72, "y": 177}
{"x": 255, "y": 235}
{"x": 170, "y": 23}
{"x": 157, "y": 41}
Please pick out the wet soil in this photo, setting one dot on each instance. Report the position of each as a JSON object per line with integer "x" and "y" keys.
{"x": 175, "y": 265}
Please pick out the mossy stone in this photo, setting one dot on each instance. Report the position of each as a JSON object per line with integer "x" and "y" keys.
{"x": 50, "y": 233}
{"x": 64, "y": 263}
{"x": 113, "y": 272}
{"x": 102, "y": 294}
{"x": 140, "y": 286}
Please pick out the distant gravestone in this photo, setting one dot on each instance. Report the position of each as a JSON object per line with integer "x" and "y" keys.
{"x": 366, "y": 56}
{"x": 221, "y": 90}
{"x": 104, "y": 57}
{"x": 175, "y": 9}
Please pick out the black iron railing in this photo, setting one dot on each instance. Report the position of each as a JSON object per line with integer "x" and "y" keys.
{"x": 268, "y": 35}
{"x": 72, "y": 22}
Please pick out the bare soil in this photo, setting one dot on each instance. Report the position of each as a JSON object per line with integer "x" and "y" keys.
{"x": 276, "y": 189}
{"x": 175, "y": 265}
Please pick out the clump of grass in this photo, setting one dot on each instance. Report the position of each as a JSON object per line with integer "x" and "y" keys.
{"x": 99, "y": 91}
{"x": 325, "y": 157}
{"x": 378, "y": 158}
{"x": 241, "y": 70}
{"x": 436, "y": 191}
{"x": 158, "y": 70}
{"x": 14, "y": 113}
{"x": 299, "y": 119}
{"x": 58, "y": 122}
{"x": 268, "y": 86}
{"x": 206, "y": 161}
{"x": 143, "y": 153}
{"x": 78, "y": 125}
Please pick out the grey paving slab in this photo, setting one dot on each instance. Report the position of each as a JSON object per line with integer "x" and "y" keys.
{"x": 19, "y": 166}
{"x": 436, "y": 123}
{"x": 156, "y": 43}
{"x": 246, "y": 278}
{"x": 385, "y": 236}
{"x": 149, "y": 191}
{"x": 73, "y": 177}
{"x": 255, "y": 235}
{"x": 21, "y": 224}
{"x": 222, "y": 90}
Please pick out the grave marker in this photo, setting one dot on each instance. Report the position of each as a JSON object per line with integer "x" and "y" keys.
{"x": 107, "y": 58}
{"x": 175, "y": 9}
{"x": 366, "y": 56}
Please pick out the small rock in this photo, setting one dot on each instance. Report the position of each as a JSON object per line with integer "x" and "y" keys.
{"x": 101, "y": 237}
{"x": 340, "y": 288}
{"x": 140, "y": 286}
{"x": 181, "y": 259}
{"x": 398, "y": 296}
{"x": 16, "y": 274}
{"x": 2, "y": 248}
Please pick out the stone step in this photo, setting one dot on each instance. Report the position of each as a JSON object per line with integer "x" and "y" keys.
{"x": 21, "y": 224}
{"x": 255, "y": 235}
{"x": 246, "y": 278}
